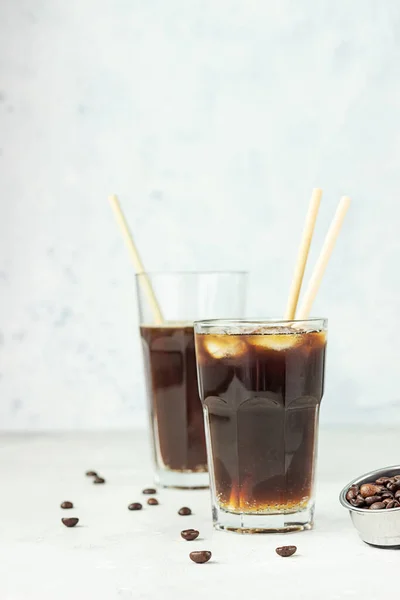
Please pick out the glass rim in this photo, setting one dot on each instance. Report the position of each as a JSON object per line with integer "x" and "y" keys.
{"x": 221, "y": 272}
{"x": 261, "y": 322}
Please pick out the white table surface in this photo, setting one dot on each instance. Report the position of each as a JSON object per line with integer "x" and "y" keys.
{"x": 115, "y": 553}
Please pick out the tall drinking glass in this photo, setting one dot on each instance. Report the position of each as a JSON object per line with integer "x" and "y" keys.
{"x": 175, "y": 410}
{"x": 261, "y": 384}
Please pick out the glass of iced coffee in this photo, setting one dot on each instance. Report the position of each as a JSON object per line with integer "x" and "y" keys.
{"x": 261, "y": 384}
{"x": 175, "y": 409}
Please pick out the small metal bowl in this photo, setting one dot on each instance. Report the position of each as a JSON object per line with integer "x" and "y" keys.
{"x": 376, "y": 527}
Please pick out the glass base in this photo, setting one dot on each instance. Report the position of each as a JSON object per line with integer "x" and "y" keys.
{"x": 182, "y": 479}
{"x": 263, "y": 523}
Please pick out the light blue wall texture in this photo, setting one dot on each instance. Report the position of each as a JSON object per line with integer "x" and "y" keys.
{"x": 213, "y": 120}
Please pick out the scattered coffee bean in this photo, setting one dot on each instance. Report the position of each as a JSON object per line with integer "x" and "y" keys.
{"x": 149, "y": 491}
{"x": 99, "y": 480}
{"x": 371, "y": 499}
{"x": 70, "y": 522}
{"x": 189, "y": 534}
{"x": 397, "y": 494}
{"x": 152, "y": 501}
{"x": 200, "y": 556}
{"x": 390, "y": 504}
{"x": 67, "y": 505}
{"x": 184, "y": 511}
{"x": 286, "y": 550}
{"x": 369, "y": 489}
{"x": 135, "y": 506}
{"x": 91, "y": 474}
{"x": 377, "y": 506}
{"x": 386, "y": 501}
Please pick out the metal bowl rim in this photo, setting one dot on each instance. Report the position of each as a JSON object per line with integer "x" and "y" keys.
{"x": 373, "y": 474}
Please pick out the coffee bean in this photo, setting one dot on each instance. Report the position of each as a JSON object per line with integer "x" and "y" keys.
{"x": 135, "y": 506}
{"x": 376, "y": 495}
{"x": 200, "y": 556}
{"x": 91, "y": 474}
{"x": 286, "y": 550}
{"x": 393, "y": 486}
{"x": 99, "y": 480}
{"x": 67, "y": 505}
{"x": 377, "y": 506}
{"x": 149, "y": 491}
{"x": 351, "y": 494}
{"x": 382, "y": 480}
{"x": 386, "y": 494}
{"x": 184, "y": 511}
{"x": 70, "y": 522}
{"x": 369, "y": 489}
{"x": 152, "y": 501}
{"x": 371, "y": 499}
{"x": 358, "y": 502}
{"x": 189, "y": 534}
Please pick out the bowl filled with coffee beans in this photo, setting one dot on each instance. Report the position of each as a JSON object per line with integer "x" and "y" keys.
{"x": 374, "y": 504}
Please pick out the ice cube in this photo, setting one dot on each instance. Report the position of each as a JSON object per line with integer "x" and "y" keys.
{"x": 224, "y": 346}
{"x": 275, "y": 341}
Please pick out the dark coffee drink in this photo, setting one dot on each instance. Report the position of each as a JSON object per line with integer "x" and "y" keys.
{"x": 175, "y": 407}
{"x": 169, "y": 303}
{"x": 261, "y": 390}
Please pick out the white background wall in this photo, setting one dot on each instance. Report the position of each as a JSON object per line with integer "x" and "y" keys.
{"x": 213, "y": 120}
